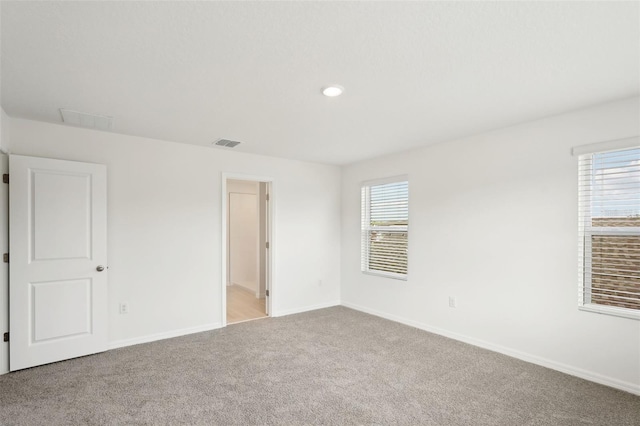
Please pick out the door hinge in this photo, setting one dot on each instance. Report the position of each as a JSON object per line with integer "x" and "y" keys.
{"x": 266, "y": 293}
{"x": 5, "y": 337}
{"x": 5, "y": 258}
{"x": 267, "y": 244}
{"x": 5, "y": 178}
{"x": 267, "y": 197}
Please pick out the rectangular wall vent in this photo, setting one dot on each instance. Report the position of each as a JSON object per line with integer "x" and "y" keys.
{"x": 227, "y": 143}
{"x": 82, "y": 119}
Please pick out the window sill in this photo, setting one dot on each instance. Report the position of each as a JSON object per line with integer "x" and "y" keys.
{"x": 611, "y": 310}
{"x": 386, "y": 275}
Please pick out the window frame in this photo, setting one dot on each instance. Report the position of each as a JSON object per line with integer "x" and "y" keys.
{"x": 365, "y": 231}
{"x": 586, "y": 231}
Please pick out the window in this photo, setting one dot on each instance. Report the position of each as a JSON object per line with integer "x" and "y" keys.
{"x": 385, "y": 227}
{"x": 609, "y": 229}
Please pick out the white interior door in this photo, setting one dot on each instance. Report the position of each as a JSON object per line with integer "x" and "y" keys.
{"x": 58, "y": 255}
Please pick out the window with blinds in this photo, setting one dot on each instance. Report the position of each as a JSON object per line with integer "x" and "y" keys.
{"x": 385, "y": 228}
{"x": 609, "y": 230}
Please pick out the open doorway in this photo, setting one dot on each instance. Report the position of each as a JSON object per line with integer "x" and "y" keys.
{"x": 247, "y": 261}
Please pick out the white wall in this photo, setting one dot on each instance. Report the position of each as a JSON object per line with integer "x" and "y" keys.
{"x": 164, "y": 226}
{"x": 493, "y": 222}
{"x": 243, "y": 233}
{"x": 4, "y": 130}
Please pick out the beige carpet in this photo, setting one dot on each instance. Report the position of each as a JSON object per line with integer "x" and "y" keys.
{"x": 331, "y": 366}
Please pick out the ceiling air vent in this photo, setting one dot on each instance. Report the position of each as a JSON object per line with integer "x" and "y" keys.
{"x": 226, "y": 143}
{"x": 82, "y": 119}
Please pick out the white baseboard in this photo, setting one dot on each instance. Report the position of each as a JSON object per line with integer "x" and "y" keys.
{"x": 285, "y": 312}
{"x": 544, "y": 362}
{"x": 207, "y": 327}
{"x": 161, "y": 336}
{"x": 245, "y": 285}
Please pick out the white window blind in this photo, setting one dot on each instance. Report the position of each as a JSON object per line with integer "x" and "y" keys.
{"x": 385, "y": 228}
{"x": 609, "y": 232}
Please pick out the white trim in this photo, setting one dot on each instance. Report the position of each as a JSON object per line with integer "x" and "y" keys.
{"x": 393, "y": 276}
{"x": 271, "y": 279}
{"x": 244, "y": 288}
{"x": 544, "y": 362}
{"x": 382, "y": 181}
{"x": 4, "y": 279}
{"x": 161, "y": 336}
{"x": 286, "y": 312}
{"x": 610, "y": 310}
{"x": 606, "y": 146}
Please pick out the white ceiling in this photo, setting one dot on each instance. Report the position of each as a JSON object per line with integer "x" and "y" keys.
{"x": 415, "y": 73}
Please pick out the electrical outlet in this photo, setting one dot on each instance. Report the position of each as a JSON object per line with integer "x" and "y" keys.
{"x": 124, "y": 308}
{"x": 452, "y": 302}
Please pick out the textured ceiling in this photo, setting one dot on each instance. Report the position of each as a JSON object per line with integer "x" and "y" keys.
{"x": 415, "y": 72}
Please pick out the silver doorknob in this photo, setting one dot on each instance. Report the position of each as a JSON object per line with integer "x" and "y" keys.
{"x": 100, "y": 268}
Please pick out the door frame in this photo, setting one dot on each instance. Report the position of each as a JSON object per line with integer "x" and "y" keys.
{"x": 271, "y": 237}
{"x": 4, "y": 267}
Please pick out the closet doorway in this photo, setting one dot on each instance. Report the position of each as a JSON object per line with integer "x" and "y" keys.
{"x": 247, "y": 250}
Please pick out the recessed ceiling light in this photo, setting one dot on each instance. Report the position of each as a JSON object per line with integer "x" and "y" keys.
{"x": 333, "y": 90}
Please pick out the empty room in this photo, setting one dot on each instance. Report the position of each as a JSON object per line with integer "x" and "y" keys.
{"x": 320, "y": 212}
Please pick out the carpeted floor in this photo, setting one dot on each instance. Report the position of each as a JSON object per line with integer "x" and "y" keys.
{"x": 331, "y": 366}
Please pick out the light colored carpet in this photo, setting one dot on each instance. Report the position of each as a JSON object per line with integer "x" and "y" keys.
{"x": 331, "y": 366}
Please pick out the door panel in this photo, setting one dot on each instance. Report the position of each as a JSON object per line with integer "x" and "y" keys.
{"x": 58, "y": 299}
{"x": 62, "y": 309}
{"x": 61, "y": 215}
